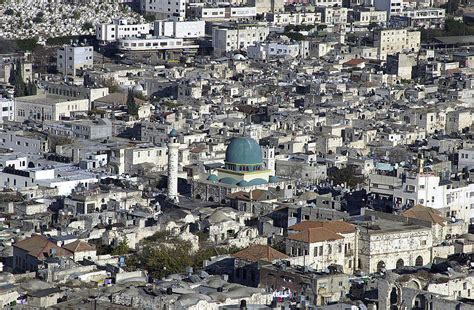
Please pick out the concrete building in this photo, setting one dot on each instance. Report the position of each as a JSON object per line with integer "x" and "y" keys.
{"x": 392, "y": 7}
{"x": 367, "y": 16}
{"x": 47, "y": 107}
{"x": 392, "y": 41}
{"x": 267, "y": 6}
{"x": 225, "y": 13}
{"x": 267, "y": 50}
{"x": 70, "y": 59}
{"x": 163, "y": 9}
{"x": 179, "y": 29}
{"x": 294, "y": 18}
{"x": 235, "y": 37}
{"x": 7, "y": 109}
{"x": 150, "y": 43}
{"x": 119, "y": 29}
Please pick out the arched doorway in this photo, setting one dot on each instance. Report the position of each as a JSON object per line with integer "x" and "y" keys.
{"x": 211, "y": 199}
{"x": 394, "y": 299}
{"x": 380, "y": 266}
{"x": 419, "y": 261}
{"x": 400, "y": 263}
{"x": 31, "y": 164}
{"x": 420, "y": 302}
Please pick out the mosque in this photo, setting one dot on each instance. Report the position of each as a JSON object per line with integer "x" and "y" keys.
{"x": 244, "y": 170}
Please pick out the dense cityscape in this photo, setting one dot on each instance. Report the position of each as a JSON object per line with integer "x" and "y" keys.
{"x": 251, "y": 155}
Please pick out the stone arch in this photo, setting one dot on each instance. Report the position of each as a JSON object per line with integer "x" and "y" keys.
{"x": 31, "y": 164}
{"x": 394, "y": 298}
{"x": 420, "y": 302}
{"x": 419, "y": 261}
{"x": 380, "y": 266}
{"x": 400, "y": 263}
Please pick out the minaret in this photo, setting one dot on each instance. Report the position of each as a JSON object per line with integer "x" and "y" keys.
{"x": 173, "y": 154}
{"x": 268, "y": 157}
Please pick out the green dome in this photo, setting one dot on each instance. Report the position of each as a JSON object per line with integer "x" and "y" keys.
{"x": 243, "y": 151}
{"x": 274, "y": 179}
{"x": 243, "y": 183}
{"x": 228, "y": 180}
{"x": 212, "y": 178}
{"x": 258, "y": 181}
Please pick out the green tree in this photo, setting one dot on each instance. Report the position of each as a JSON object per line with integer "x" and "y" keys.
{"x": 122, "y": 248}
{"x": 87, "y": 25}
{"x": 9, "y": 12}
{"x": 346, "y": 175}
{"x": 76, "y": 15}
{"x": 132, "y": 106}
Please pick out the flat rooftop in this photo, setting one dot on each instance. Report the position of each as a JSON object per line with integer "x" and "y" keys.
{"x": 46, "y": 99}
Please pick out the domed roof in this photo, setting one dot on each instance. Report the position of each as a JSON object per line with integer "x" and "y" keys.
{"x": 243, "y": 151}
{"x": 257, "y": 181}
{"x": 212, "y": 178}
{"x": 243, "y": 183}
{"x": 137, "y": 88}
{"x": 228, "y": 180}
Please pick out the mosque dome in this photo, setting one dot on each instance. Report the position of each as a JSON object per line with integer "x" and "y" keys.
{"x": 243, "y": 183}
{"x": 212, "y": 178}
{"x": 243, "y": 151}
{"x": 138, "y": 89}
{"x": 228, "y": 180}
{"x": 258, "y": 181}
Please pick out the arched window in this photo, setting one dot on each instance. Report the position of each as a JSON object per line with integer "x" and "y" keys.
{"x": 211, "y": 199}
{"x": 380, "y": 266}
{"x": 400, "y": 263}
{"x": 419, "y": 261}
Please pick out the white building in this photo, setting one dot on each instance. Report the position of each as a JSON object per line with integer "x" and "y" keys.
{"x": 393, "y": 41}
{"x": 267, "y": 50}
{"x": 164, "y": 9}
{"x": 119, "y": 29}
{"x": 333, "y": 15}
{"x": 450, "y": 198}
{"x": 7, "y": 109}
{"x": 427, "y": 17}
{"x": 233, "y": 37}
{"x": 327, "y": 3}
{"x": 69, "y": 59}
{"x": 392, "y": 7}
{"x": 150, "y": 43}
{"x": 223, "y": 13}
{"x": 466, "y": 158}
{"x": 179, "y": 29}
{"x": 294, "y": 18}
{"x": 47, "y": 107}
{"x": 367, "y": 16}
{"x": 25, "y": 142}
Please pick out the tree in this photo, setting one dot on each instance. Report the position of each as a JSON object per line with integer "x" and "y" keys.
{"x": 122, "y": 248}
{"x": 76, "y": 15}
{"x": 87, "y": 25}
{"x": 132, "y": 106}
{"x": 345, "y": 175}
{"x": 9, "y": 12}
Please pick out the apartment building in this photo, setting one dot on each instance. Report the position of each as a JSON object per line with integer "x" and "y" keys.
{"x": 367, "y": 16}
{"x": 70, "y": 59}
{"x": 150, "y": 43}
{"x": 294, "y": 18}
{"x": 393, "y": 41}
{"x": 47, "y": 107}
{"x": 206, "y": 13}
{"x": 164, "y": 9}
{"x": 119, "y": 29}
{"x": 179, "y": 29}
{"x": 234, "y": 37}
